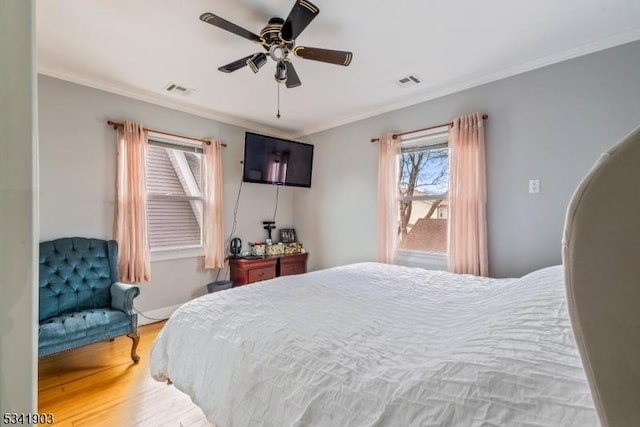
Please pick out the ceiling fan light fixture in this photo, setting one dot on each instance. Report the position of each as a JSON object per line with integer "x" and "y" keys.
{"x": 281, "y": 72}
{"x": 256, "y": 61}
{"x": 277, "y": 53}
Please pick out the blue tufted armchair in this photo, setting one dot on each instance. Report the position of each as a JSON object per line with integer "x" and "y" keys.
{"x": 81, "y": 299}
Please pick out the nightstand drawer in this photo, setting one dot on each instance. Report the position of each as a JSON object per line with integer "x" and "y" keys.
{"x": 292, "y": 268}
{"x": 264, "y": 273}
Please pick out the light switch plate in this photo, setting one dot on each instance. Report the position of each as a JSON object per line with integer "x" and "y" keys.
{"x": 534, "y": 185}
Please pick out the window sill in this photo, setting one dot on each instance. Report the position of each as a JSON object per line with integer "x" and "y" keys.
{"x": 428, "y": 260}
{"x": 169, "y": 254}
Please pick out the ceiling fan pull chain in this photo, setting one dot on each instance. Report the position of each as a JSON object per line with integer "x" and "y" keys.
{"x": 278, "y": 85}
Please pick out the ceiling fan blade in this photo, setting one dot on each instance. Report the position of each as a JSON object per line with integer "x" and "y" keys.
{"x": 292, "y": 77}
{"x": 337, "y": 57}
{"x": 235, "y": 65}
{"x": 300, "y": 16}
{"x": 212, "y": 19}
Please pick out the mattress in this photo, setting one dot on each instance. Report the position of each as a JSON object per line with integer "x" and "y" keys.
{"x": 380, "y": 345}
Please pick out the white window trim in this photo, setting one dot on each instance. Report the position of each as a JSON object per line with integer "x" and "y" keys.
{"x": 428, "y": 260}
{"x": 166, "y": 254}
{"x": 425, "y": 138}
{"x": 174, "y": 140}
{"x": 425, "y": 197}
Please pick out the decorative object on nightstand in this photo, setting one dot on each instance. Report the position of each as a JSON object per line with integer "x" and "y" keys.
{"x": 293, "y": 248}
{"x": 269, "y": 226}
{"x": 235, "y": 247}
{"x": 276, "y": 249}
{"x": 257, "y": 248}
{"x": 287, "y": 235}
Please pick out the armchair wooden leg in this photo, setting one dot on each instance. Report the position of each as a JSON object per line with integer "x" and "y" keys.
{"x": 136, "y": 338}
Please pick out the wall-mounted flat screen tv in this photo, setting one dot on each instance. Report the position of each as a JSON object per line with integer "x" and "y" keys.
{"x": 269, "y": 160}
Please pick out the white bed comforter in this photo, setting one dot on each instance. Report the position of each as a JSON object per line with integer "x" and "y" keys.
{"x": 377, "y": 345}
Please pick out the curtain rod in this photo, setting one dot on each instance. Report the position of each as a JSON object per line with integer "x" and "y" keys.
{"x": 115, "y": 125}
{"x": 396, "y": 135}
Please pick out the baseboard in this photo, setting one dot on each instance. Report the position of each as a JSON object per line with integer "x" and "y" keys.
{"x": 156, "y": 315}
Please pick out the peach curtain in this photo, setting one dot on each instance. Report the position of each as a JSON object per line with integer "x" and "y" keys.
{"x": 388, "y": 197}
{"x": 130, "y": 222}
{"x": 212, "y": 230}
{"x": 468, "y": 197}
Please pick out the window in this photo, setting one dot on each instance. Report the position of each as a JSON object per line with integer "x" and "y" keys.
{"x": 423, "y": 187}
{"x": 174, "y": 196}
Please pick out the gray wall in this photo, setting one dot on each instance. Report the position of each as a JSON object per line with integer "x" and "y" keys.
{"x": 551, "y": 123}
{"x": 77, "y": 170}
{"x": 18, "y": 208}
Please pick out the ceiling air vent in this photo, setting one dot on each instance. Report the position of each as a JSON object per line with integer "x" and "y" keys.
{"x": 175, "y": 88}
{"x": 410, "y": 80}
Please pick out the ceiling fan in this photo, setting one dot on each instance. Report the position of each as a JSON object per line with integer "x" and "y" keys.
{"x": 278, "y": 38}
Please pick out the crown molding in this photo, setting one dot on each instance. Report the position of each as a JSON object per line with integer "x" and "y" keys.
{"x": 416, "y": 98}
{"x": 474, "y": 81}
{"x": 151, "y": 98}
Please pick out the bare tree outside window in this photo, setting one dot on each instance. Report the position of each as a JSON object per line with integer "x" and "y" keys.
{"x": 423, "y": 184}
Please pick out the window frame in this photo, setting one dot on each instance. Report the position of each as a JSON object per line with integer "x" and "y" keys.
{"x": 179, "y": 252}
{"x": 422, "y": 142}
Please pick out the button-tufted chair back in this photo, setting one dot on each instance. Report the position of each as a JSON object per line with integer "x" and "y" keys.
{"x": 76, "y": 274}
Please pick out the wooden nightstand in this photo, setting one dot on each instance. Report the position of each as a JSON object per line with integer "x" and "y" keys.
{"x": 245, "y": 271}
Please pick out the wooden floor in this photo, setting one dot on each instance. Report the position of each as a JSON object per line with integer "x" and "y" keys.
{"x": 99, "y": 385}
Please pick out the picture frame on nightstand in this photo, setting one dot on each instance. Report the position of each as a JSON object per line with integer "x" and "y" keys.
{"x": 288, "y": 235}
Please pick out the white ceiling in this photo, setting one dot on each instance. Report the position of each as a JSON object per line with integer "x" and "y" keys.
{"x": 136, "y": 47}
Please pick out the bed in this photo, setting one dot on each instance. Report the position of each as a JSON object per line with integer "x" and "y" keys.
{"x": 380, "y": 345}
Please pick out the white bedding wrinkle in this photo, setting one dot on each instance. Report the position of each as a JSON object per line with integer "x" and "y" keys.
{"x": 380, "y": 345}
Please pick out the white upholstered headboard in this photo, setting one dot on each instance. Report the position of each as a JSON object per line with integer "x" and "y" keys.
{"x": 601, "y": 254}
